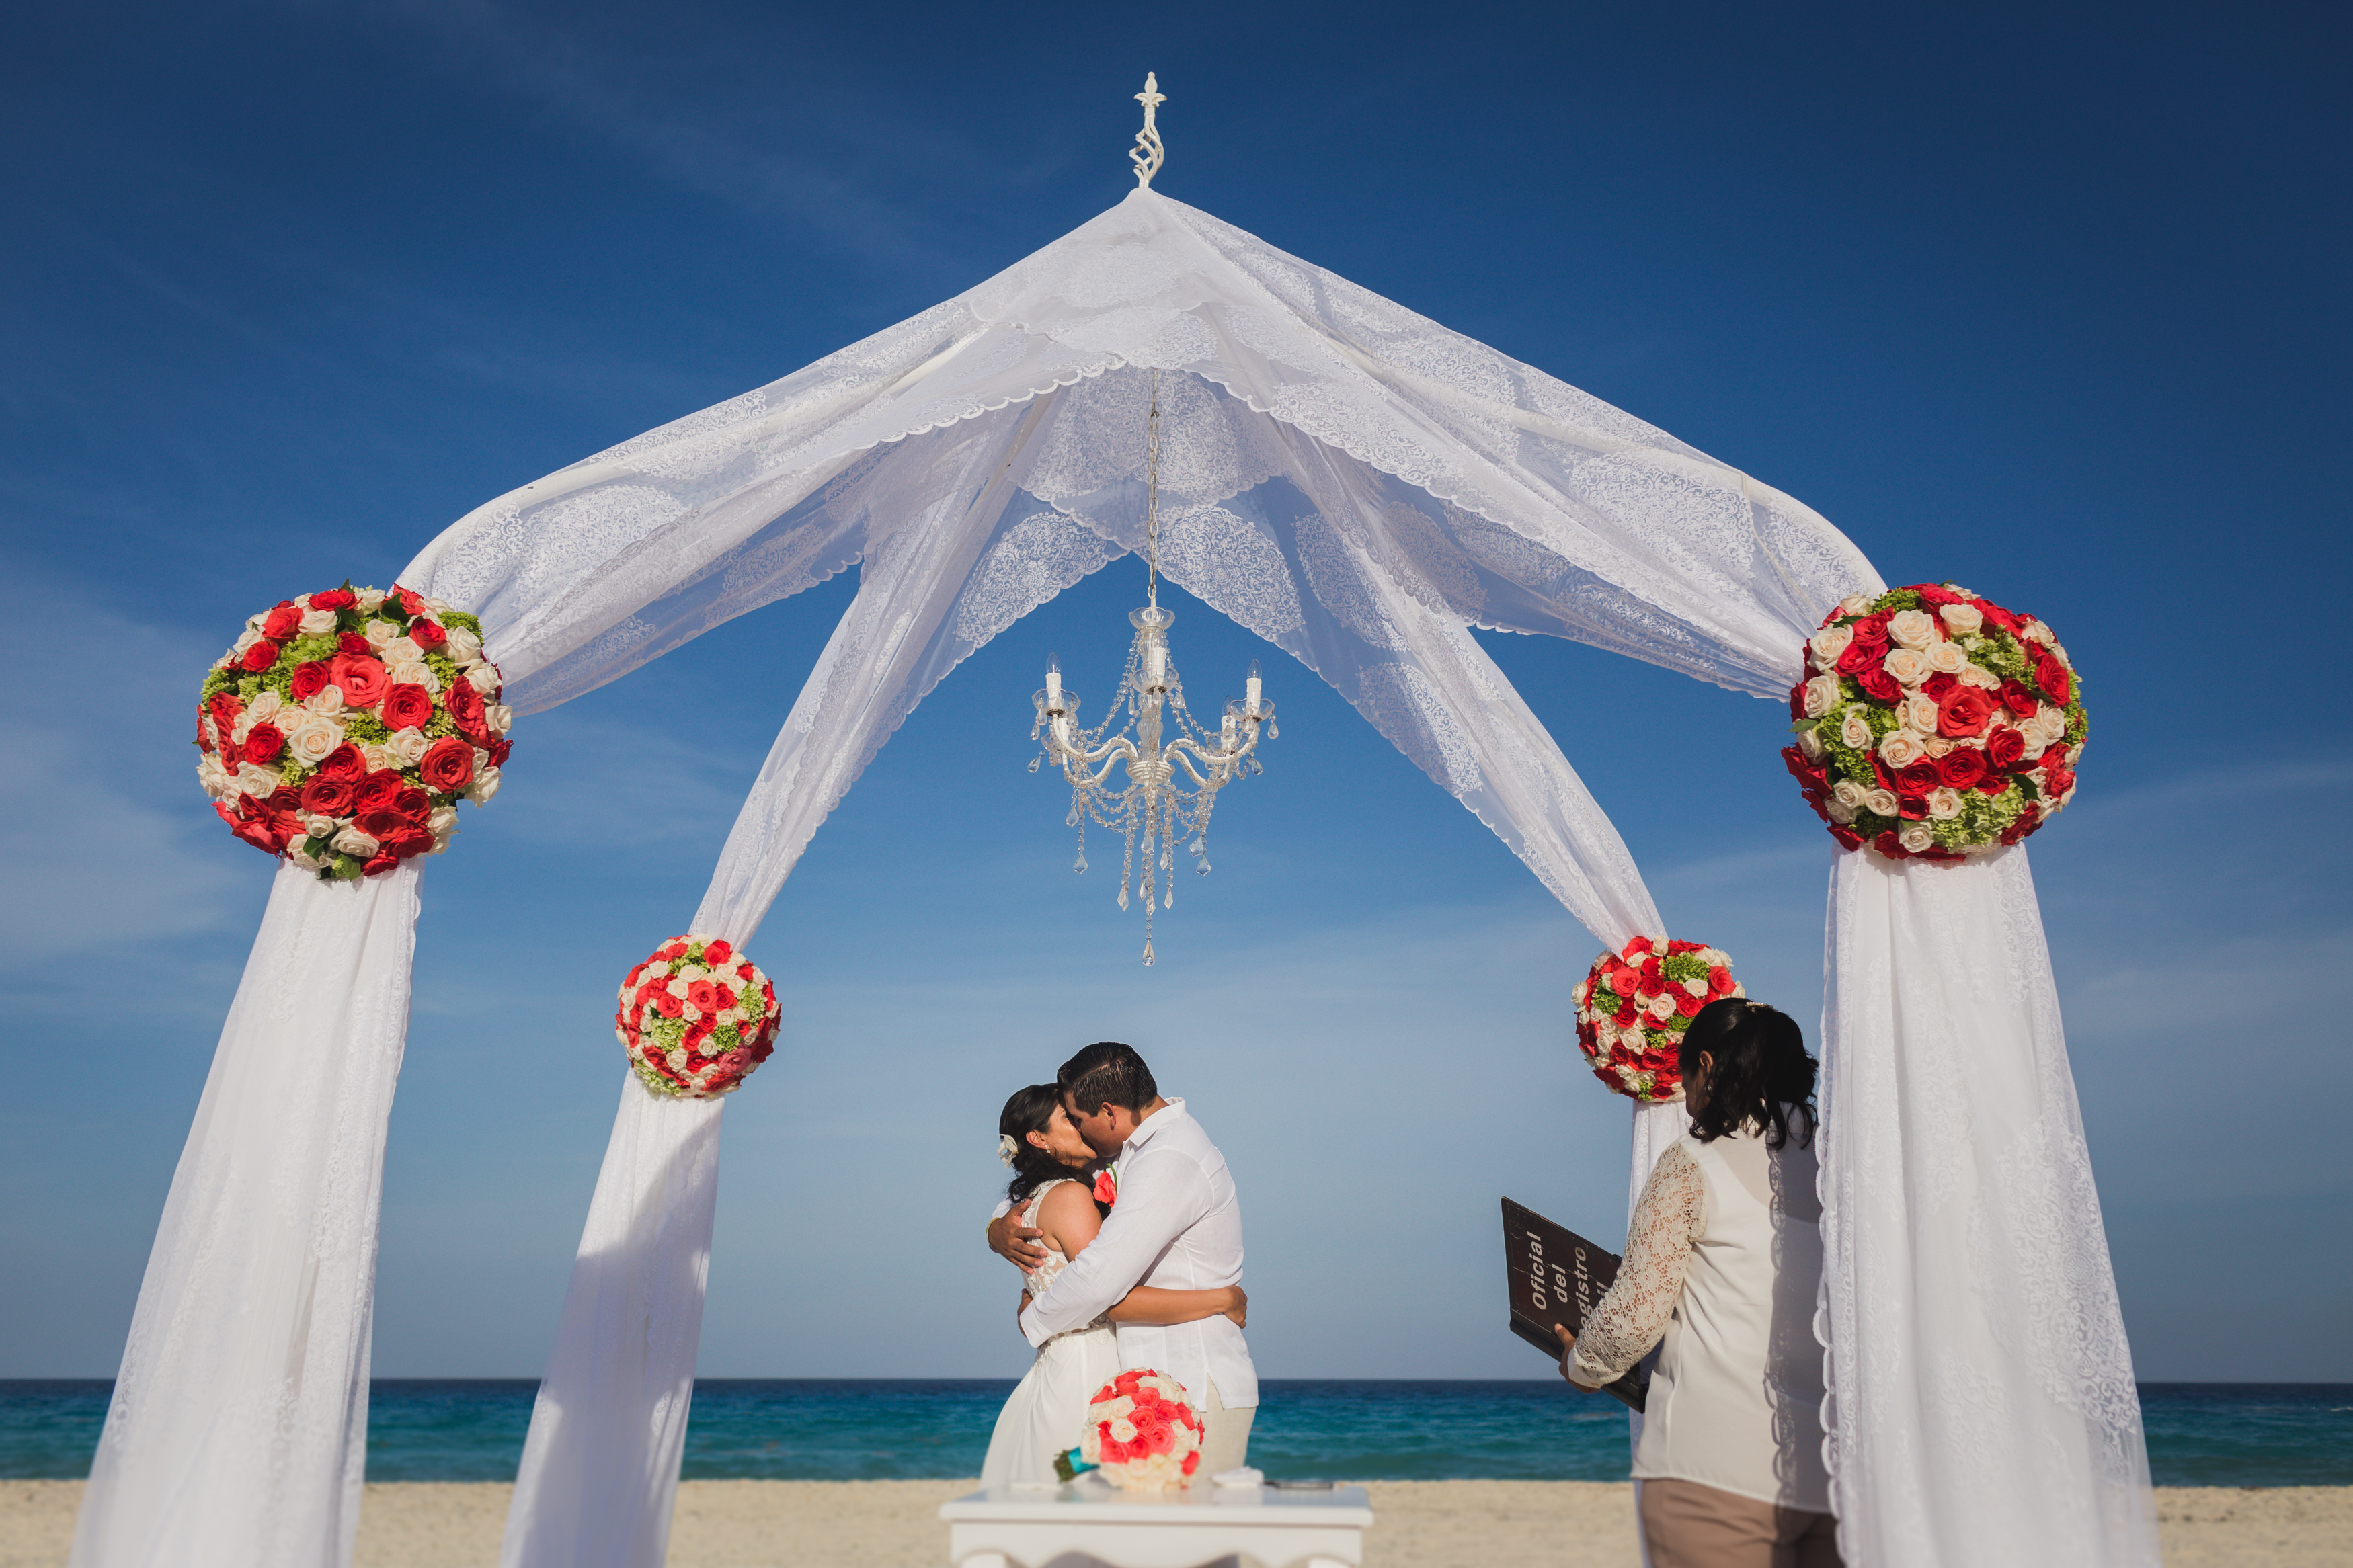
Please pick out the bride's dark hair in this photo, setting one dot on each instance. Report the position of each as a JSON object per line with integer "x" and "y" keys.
{"x": 1762, "y": 1078}
{"x": 1028, "y": 1111}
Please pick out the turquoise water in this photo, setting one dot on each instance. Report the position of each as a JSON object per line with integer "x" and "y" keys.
{"x": 2200, "y": 1434}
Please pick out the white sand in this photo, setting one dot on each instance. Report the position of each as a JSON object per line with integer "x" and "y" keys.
{"x": 1421, "y": 1524}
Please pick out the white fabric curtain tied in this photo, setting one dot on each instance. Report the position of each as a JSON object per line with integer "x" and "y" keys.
{"x": 237, "y": 1434}
{"x": 1981, "y": 1408}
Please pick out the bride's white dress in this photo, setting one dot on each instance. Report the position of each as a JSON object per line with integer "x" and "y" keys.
{"x": 1048, "y": 1411}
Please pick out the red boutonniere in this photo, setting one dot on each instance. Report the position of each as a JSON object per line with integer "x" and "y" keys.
{"x": 1107, "y": 1185}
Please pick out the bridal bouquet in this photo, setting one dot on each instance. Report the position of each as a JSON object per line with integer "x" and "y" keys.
{"x": 1142, "y": 1432}
{"x": 1633, "y": 1008}
{"x": 1933, "y": 724}
{"x": 695, "y": 1018}
{"x": 341, "y": 729}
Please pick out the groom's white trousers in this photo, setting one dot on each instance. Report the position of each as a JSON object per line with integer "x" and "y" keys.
{"x": 1225, "y": 1434}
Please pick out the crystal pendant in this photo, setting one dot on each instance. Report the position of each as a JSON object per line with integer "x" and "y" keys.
{"x": 1204, "y": 867}
{"x": 1122, "y": 895}
{"x": 1271, "y": 732}
{"x": 1148, "y": 959}
{"x": 1034, "y": 761}
{"x": 1168, "y": 900}
{"x": 1080, "y": 865}
{"x": 1071, "y": 820}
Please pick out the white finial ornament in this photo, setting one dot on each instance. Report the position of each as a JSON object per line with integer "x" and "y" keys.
{"x": 1147, "y": 154}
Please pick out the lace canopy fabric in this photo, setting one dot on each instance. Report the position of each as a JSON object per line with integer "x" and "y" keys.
{"x": 1357, "y": 484}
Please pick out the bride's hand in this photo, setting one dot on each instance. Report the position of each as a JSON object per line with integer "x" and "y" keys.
{"x": 1238, "y": 1309}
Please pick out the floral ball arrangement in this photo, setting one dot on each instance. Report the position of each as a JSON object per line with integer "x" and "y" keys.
{"x": 1143, "y": 1431}
{"x": 1633, "y": 1008}
{"x": 1934, "y": 724}
{"x": 696, "y": 1019}
{"x": 341, "y": 729}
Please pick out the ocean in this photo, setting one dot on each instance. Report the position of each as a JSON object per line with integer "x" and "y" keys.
{"x": 2200, "y": 1434}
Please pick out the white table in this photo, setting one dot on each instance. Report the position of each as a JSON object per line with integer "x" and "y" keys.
{"x": 1006, "y": 1527}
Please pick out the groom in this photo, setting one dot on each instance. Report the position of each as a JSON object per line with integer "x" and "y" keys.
{"x": 1175, "y": 1223}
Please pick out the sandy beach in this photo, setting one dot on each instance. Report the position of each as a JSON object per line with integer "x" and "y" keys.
{"x": 1421, "y": 1524}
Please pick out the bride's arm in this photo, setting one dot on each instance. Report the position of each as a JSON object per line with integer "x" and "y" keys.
{"x": 1068, "y": 1217}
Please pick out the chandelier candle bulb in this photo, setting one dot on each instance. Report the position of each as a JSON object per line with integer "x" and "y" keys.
{"x": 1155, "y": 663}
{"x": 1253, "y": 687}
{"x": 1054, "y": 683}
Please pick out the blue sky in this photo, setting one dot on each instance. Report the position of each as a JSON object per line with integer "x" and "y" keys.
{"x": 2048, "y": 302}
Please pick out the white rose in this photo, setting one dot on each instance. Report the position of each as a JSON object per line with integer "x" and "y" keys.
{"x": 213, "y": 778}
{"x": 691, "y": 1012}
{"x": 442, "y": 822}
{"x": 357, "y": 845}
{"x": 1857, "y": 604}
{"x": 676, "y": 1057}
{"x": 263, "y": 710}
{"x": 2035, "y": 631}
{"x": 1915, "y": 837}
{"x": 301, "y": 856}
{"x": 1961, "y": 620}
{"x": 1947, "y": 659}
{"x": 1810, "y": 745}
{"x": 481, "y": 761}
{"x": 1909, "y": 666}
{"x": 369, "y": 599}
{"x": 254, "y": 779}
{"x": 1900, "y": 748}
{"x": 677, "y": 987}
{"x": 1937, "y": 746}
{"x": 1847, "y": 792}
{"x": 439, "y": 607}
{"x": 414, "y": 673}
{"x": 484, "y": 679}
{"x": 314, "y": 739}
{"x": 484, "y": 787}
{"x": 1910, "y": 629}
{"x": 2051, "y": 720}
{"x": 1123, "y": 1430}
{"x": 1853, "y": 730}
{"x": 245, "y": 639}
{"x": 379, "y": 633}
{"x": 327, "y": 702}
{"x": 402, "y": 649}
{"x": 1917, "y": 713}
{"x": 693, "y": 972}
{"x": 1821, "y": 694}
{"x": 1944, "y": 804}
{"x": 407, "y": 747}
{"x": 1979, "y": 676}
{"x": 465, "y": 648}
{"x": 730, "y": 1016}
{"x": 241, "y": 729}
{"x": 1840, "y": 812}
{"x": 499, "y": 716}
{"x": 1830, "y": 642}
{"x": 1662, "y": 1007}
{"x": 1880, "y": 801}
{"x": 317, "y": 623}
{"x": 320, "y": 827}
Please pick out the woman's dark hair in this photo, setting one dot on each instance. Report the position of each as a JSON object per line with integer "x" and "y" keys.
{"x": 1108, "y": 1073}
{"x": 1028, "y": 1111}
{"x": 1760, "y": 1066}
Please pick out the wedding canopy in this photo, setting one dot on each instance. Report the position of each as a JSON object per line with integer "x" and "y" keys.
{"x": 1359, "y": 486}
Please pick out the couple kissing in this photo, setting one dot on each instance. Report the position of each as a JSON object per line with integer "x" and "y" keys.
{"x": 1124, "y": 1221}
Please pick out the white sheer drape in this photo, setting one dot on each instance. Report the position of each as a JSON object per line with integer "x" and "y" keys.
{"x": 1981, "y": 1410}
{"x": 238, "y": 1433}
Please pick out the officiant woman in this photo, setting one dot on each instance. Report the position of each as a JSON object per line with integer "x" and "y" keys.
{"x": 1722, "y": 1261}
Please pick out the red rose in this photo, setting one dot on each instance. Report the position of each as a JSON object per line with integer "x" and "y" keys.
{"x": 1873, "y": 629}
{"x": 408, "y": 601}
{"x": 1191, "y": 1462}
{"x": 701, "y": 1029}
{"x": 263, "y": 742}
{"x": 1689, "y": 1005}
{"x": 1719, "y": 980}
{"x": 428, "y": 636}
{"x": 2005, "y": 748}
{"x": 383, "y": 862}
{"x": 668, "y": 1006}
{"x": 1964, "y": 710}
{"x": 1859, "y": 656}
{"x": 763, "y": 1050}
{"x": 1879, "y": 686}
{"x": 1797, "y": 697}
{"x": 2057, "y": 780}
{"x": 1993, "y": 783}
{"x": 410, "y": 840}
{"x": 2028, "y": 821}
{"x": 378, "y": 790}
{"x": 1961, "y": 768}
{"x": 344, "y": 762}
{"x": 1886, "y": 845}
{"x": 412, "y": 803}
{"x": 1939, "y": 686}
{"x": 465, "y": 704}
{"x": 448, "y": 766}
{"x": 284, "y": 800}
{"x": 260, "y": 657}
{"x": 1626, "y": 1012}
{"x": 1106, "y": 1190}
{"x": 1931, "y": 594}
{"x": 382, "y": 824}
{"x": 309, "y": 680}
{"x": 352, "y": 642}
{"x": 407, "y": 706}
{"x": 334, "y": 599}
{"x": 282, "y": 621}
{"x": 1919, "y": 779}
{"x": 262, "y": 833}
{"x": 717, "y": 952}
{"x": 361, "y": 677}
{"x": 2049, "y": 674}
{"x": 1847, "y": 837}
{"x": 706, "y": 996}
{"x": 204, "y": 731}
{"x": 500, "y": 750}
{"x": 323, "y": 797}
{"x": 2018, "y": 700}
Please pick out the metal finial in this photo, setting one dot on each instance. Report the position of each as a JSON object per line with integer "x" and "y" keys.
{"x": 1148, "y": 154}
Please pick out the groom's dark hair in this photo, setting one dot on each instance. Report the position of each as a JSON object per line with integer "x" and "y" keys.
{"x": 1107, "y": 1073}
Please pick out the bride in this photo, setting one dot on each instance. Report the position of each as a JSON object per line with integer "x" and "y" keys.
{"x": 1047, "y": 1412}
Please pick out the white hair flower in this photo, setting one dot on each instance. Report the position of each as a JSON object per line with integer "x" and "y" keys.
{"x": 1007, "y": 1147}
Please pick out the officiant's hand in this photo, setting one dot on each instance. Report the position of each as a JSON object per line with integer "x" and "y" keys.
{"x": 1014, "y": 1242}
{"x": 1569, "y": 1361}
{"x": 1240, "y": 1310}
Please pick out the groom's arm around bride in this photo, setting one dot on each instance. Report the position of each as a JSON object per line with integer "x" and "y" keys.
{"x": 1176, "y": 1224}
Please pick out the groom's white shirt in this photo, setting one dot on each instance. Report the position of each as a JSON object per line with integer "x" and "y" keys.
{"x": 1178, "y": 1225}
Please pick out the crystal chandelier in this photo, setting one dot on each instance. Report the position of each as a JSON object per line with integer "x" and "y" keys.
{"x": 1156, "y": 802}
